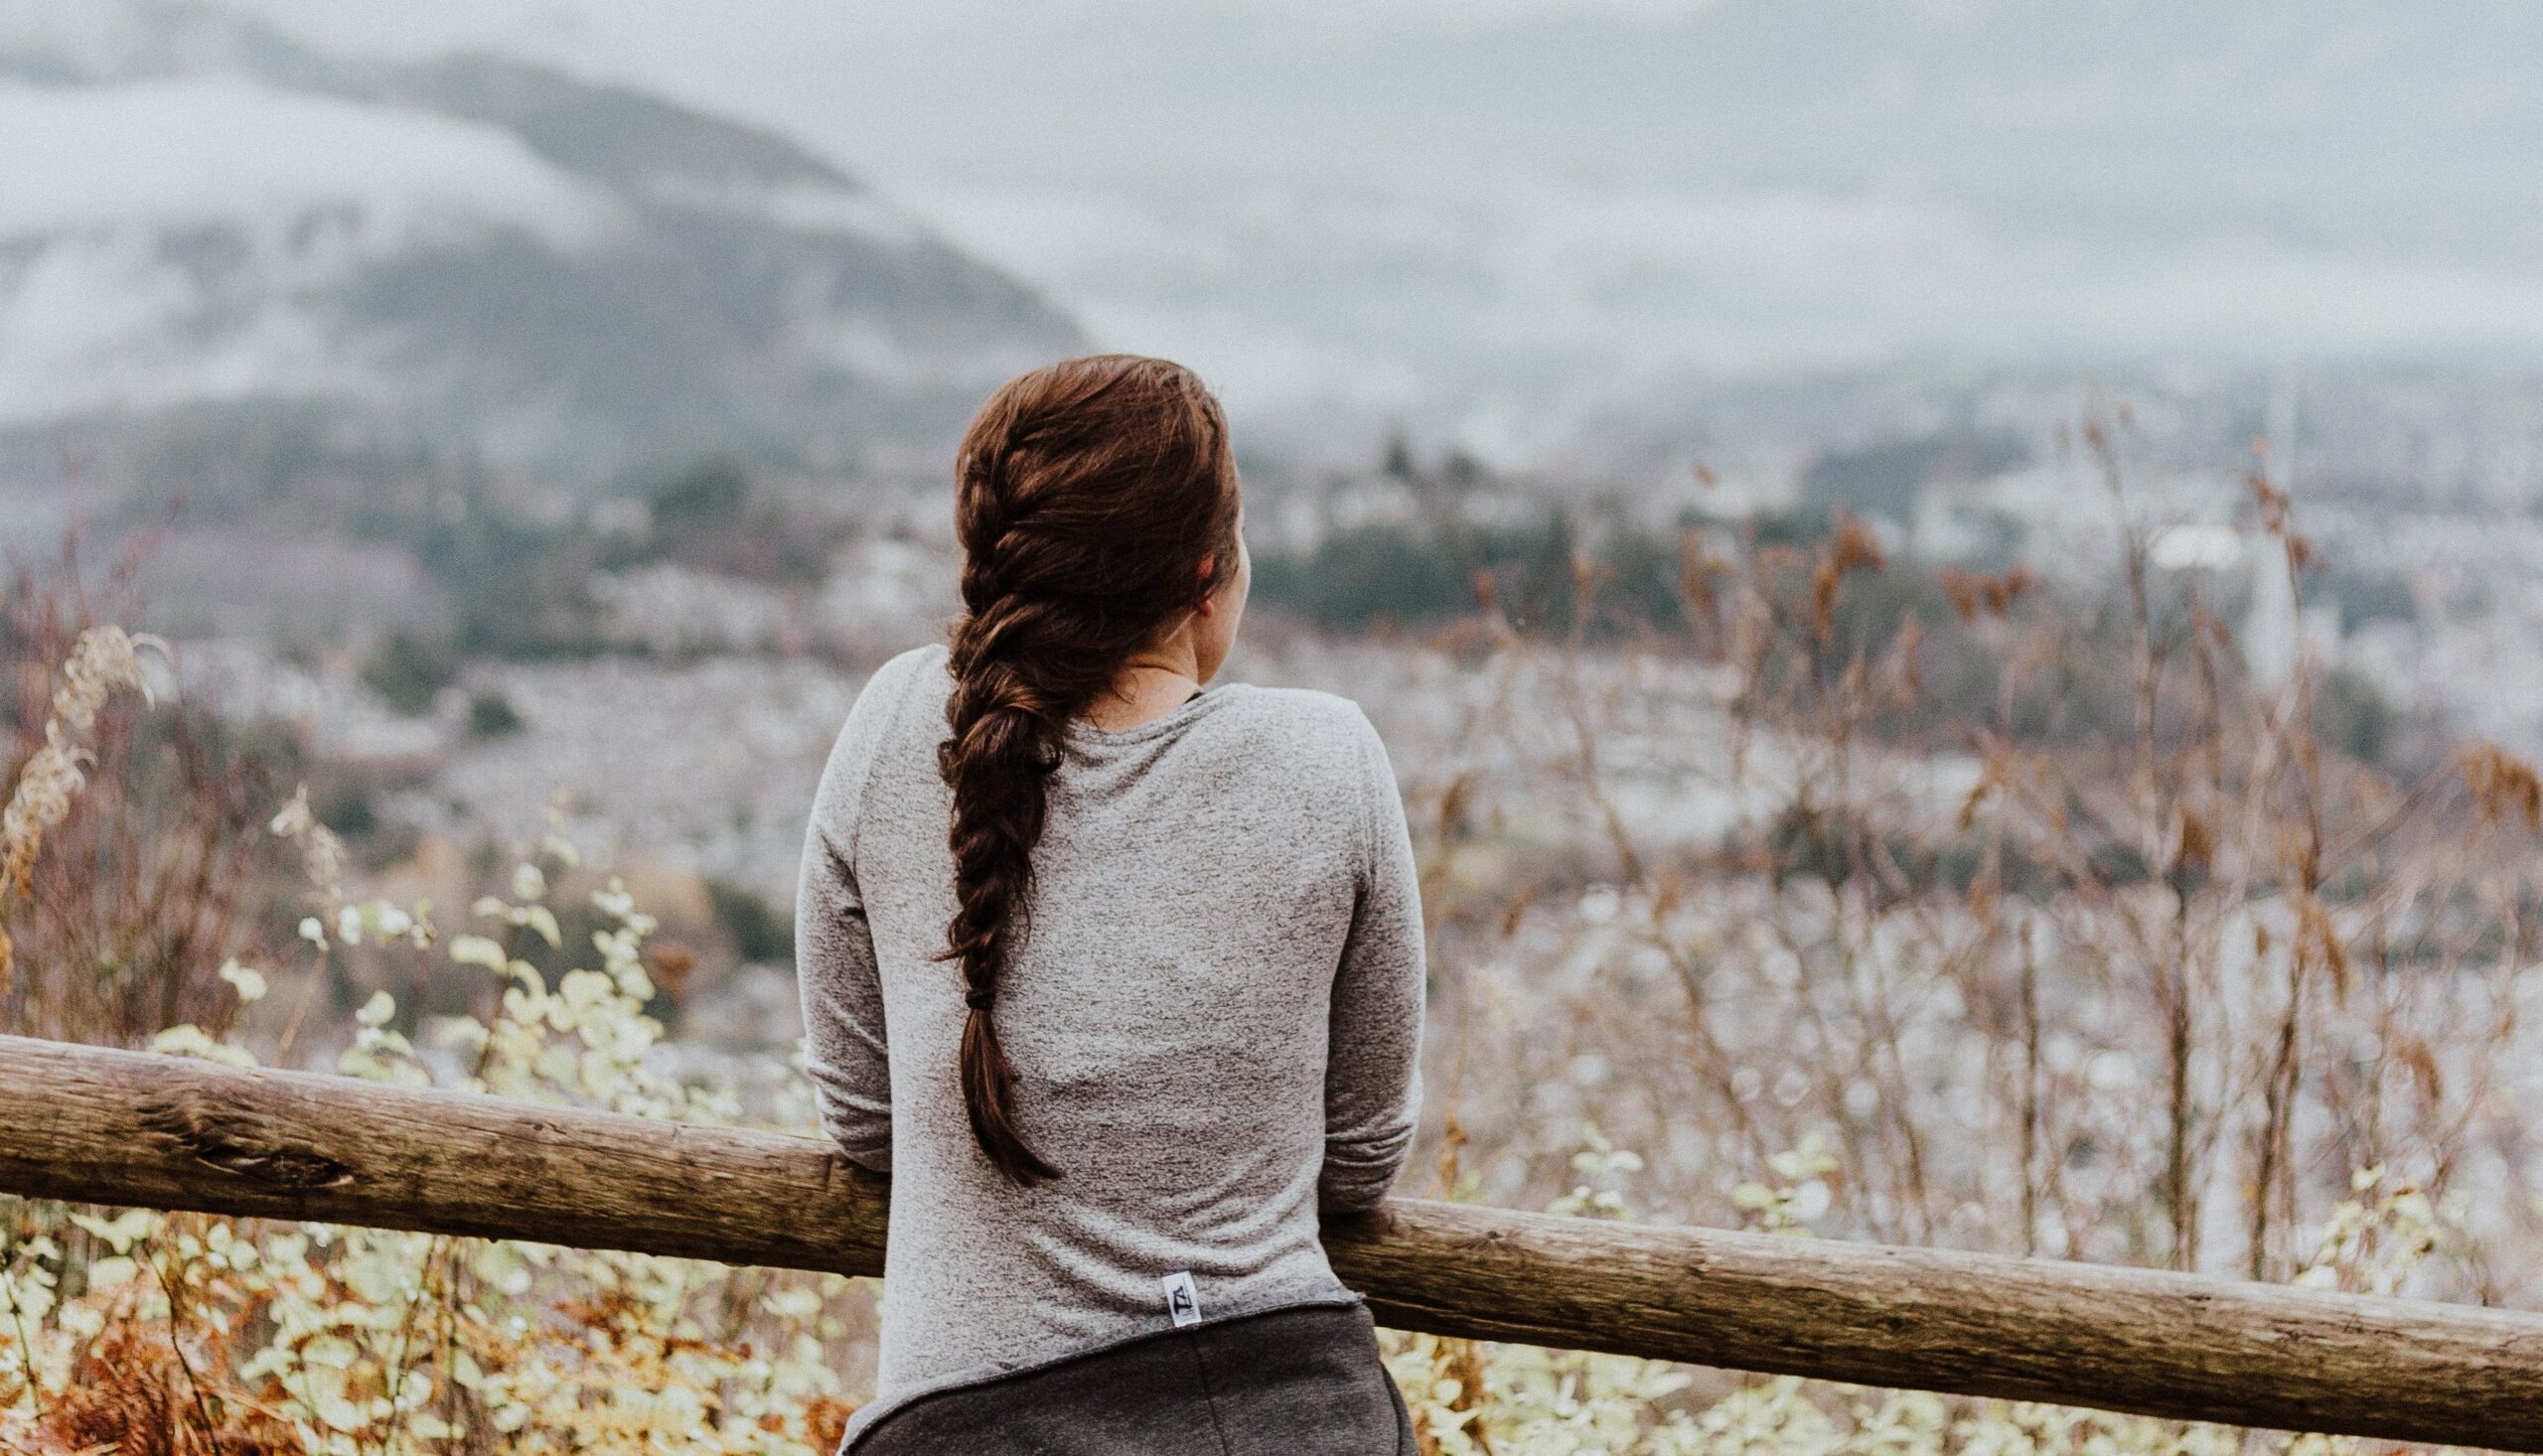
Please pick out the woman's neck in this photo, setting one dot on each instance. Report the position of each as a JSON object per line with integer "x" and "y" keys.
{"x": 1148, "y": 688}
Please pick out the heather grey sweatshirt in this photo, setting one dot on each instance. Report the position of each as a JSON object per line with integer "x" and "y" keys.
{"x": 1214, "y": 1019}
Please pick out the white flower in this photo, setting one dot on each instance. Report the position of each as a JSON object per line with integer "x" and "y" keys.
{"x": 122, "y": 1232}
{"x": 250, "y": 984}
{"x": 190, "y": 1040}
{"x": 294, "y": 819}
{"x": 479, "y": 950}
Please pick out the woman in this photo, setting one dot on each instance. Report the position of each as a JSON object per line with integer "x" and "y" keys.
{"x": 1117, "y": 974}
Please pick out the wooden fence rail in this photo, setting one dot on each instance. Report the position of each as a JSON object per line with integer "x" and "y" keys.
{"x": 93, "y": 1125}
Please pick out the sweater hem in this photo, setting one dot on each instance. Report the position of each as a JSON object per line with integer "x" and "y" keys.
{"x": 1147, "y": 1327}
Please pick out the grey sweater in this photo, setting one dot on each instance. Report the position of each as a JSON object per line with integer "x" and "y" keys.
{"x": 1214, "y": 1018}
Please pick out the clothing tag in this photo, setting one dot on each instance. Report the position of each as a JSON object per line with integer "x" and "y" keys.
{"x": 1182, "y": 1301}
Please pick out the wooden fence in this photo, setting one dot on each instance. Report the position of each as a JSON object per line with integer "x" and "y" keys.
{"x": 93, "y": 1125}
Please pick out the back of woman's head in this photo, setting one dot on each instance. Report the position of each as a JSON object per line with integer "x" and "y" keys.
{"x": 1096, "y": 499}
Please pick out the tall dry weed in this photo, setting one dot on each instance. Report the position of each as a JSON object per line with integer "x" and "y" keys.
{"x": 131, "y": 844}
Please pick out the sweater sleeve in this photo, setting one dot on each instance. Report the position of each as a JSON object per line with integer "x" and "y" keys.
{"x": 845, "y": 1047}
{"x": 1373, "y": 1082}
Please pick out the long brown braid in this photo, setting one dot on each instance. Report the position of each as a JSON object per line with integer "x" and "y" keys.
{"x": 1096, "y": 499}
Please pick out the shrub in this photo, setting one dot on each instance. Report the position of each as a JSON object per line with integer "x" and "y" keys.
{"x": 760, "y": 932}
{"x": 492, "y": 716}
{"x": 410, "y": 672}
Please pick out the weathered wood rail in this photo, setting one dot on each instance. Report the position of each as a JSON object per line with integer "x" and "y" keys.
{"x": 94, "y": 1125}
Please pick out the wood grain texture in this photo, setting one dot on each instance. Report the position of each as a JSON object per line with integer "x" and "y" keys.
{"x": 93, "y": 1125}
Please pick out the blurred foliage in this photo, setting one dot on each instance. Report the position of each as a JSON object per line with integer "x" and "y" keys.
{"x": 522, "y": 588}
{"x": 1890, "y": 477}
{"x": 1632, "y": 583}
{"x": 492, "y": 716}
{"x": 1531, "y": 574}
{"x": 517, "y": 588}
{"x": 713, "y": 518}
{"x": 410, "y": 672}
{"x": 2351, "y": 715}
{"x": 760, "y": 931}
{"x": 2367, "y": 596}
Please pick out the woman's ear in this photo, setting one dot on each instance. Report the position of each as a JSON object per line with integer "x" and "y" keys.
{"x": 1211, "y": 580}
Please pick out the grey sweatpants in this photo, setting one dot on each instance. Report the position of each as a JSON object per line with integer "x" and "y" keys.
{"x": 1296, "y": 1381}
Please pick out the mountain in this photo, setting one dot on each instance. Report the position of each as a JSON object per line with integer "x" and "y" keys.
{"x": 223, "y": 252}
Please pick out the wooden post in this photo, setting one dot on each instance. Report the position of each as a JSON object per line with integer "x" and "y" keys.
{"x": 94, "y": 1125}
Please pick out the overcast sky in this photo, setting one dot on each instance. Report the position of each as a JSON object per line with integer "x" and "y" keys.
{"x": 1493, "y": 215}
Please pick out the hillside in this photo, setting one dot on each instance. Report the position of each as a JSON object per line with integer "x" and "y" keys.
{"x": 226, "y": 255}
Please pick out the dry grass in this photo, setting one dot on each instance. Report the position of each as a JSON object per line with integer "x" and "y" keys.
{"x": 133, "y": 901}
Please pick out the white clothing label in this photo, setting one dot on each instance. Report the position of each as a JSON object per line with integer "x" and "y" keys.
{"x": 1182, "y": 1301}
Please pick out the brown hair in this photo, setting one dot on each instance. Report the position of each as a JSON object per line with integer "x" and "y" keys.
{"x": 1096, "y": 499}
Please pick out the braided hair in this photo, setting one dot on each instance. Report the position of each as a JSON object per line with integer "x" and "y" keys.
{"x": 1095, "y": 500}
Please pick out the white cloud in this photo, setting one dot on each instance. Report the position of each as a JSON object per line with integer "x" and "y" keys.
{"x": 586, "y": 27}
{"x": 1386, "y": 203}
{"x": 1508, "y": 308}
{"x": 215, "y": 149}
{"x": 179, "y": 228}
{"x": 107, "y": 323}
